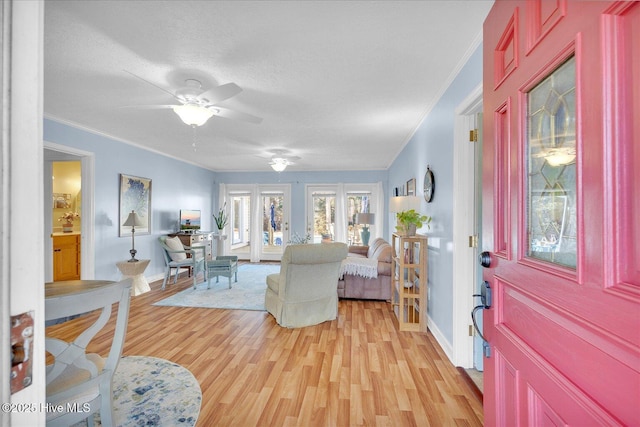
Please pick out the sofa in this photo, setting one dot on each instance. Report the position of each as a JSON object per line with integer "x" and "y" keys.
{"x": 304, "y": 292}
{"x": 358, "y": 286}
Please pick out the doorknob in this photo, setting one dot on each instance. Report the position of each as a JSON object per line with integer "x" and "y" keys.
{"x": 485, "y": 259}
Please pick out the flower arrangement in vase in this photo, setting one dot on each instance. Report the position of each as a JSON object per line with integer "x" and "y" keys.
{"x": 68, "y": 218}
{"x": 409, "y": 221}
{"x": 222, "y": 218}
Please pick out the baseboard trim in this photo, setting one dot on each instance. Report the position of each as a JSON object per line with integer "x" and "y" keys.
{"x": 440, "y": 338}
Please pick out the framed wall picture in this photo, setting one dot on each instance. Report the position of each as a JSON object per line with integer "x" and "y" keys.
{"x": 411, "y": 187}
{"x": 61, "y": 201}
{"x": 135, "y": 195}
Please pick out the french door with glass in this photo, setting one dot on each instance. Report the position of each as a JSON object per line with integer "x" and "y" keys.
{"x": 259, "y": 220}
{"x": 321, "y": 223}
{"x": 274, "y": 222}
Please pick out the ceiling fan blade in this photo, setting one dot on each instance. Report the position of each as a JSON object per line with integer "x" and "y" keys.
{"x": 149, "y": 107}
{"x": 220, "y": 93}
{"x": 236, "y": 115}
{"x": 152, "y": 84}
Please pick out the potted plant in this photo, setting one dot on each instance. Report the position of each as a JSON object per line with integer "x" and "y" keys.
{"x": 409, "y": 221}
{"x": 221, "y": 219}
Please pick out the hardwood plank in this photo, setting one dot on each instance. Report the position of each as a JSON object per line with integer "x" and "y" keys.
{"x": 356, "y": 370}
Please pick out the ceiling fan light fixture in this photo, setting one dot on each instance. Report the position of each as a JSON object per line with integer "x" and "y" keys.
{"x": 279, "y": 164}
{"x": 193, "y": 115}
{"x": 561, "y": 156}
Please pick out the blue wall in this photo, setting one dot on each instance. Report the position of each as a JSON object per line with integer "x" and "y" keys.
{"x": 175, "y": 185}
{"x": 432, "y": 145}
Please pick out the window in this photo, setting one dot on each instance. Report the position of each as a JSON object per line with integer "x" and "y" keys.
{"x": 324, "y": 216}
{"x": 551, "y": 189}
{"x": 332, "y": 210}
{"x": 356, "y": 203}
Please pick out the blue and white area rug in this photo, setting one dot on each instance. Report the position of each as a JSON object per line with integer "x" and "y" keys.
{"x": 148, "y": 391}
{"x": 246, "y": 294}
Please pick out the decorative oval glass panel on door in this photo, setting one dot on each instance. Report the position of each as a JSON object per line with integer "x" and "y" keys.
{"x": 551, "y": 162}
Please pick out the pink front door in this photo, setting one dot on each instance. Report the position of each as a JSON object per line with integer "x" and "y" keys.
{"x": 561, "y": 209}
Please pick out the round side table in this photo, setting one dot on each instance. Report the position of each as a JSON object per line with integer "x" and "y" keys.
{"x": 135, "y": 270}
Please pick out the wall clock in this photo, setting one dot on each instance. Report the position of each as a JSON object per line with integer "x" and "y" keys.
{"x": 429, "y": 185}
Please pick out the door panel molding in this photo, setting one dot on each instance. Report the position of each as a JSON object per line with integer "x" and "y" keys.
{"x": 621, "y": 173}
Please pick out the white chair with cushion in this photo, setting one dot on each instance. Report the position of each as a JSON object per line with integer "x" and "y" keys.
{"x": 175, "y": 256}
{"x": 305, "y": 292}
{"x": 77, "y": 379}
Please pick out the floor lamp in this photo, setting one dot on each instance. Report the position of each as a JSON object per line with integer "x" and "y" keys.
{"x": 133, "y": 221}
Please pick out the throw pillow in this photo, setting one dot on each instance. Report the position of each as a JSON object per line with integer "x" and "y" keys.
{"x": 175, "y": 244}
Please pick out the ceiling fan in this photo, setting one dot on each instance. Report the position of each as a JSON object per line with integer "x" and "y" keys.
{"x": 196, "y": 105}
{"x": 280, "y": 160}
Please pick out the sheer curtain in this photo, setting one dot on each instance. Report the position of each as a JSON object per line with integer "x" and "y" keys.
{"x": 379, "y": 211}
{"x": 222, "y": 198}
{"x": 256, "y": 225}
{"x": 341, "y": 214}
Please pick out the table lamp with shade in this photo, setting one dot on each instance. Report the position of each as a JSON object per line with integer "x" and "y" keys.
{"x": 365, "y": 219}
{"x": 404, "y": 203}
{"x": 133, "y": 221}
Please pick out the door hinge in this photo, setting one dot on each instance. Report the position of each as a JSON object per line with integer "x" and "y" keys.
{"x": 472, "y": 331}
{"x": 473, "y": 241}
{"x": 473, "y": 135}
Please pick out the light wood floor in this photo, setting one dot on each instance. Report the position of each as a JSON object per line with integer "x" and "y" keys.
{"x": 356, "y": 370}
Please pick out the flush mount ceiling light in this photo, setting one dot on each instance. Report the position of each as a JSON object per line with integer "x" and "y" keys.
{"x": 192, "y": 114}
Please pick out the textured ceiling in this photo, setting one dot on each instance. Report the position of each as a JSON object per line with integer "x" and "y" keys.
{"x": 340, "y": 84}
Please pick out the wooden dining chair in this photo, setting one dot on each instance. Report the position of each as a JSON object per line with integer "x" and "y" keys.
{"x": 78, "y": 382}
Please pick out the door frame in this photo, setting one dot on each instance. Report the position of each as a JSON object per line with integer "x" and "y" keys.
{"x": 87, "y": 226}
{"x": 464, "y": 257}
{"x": 21, "y": 222}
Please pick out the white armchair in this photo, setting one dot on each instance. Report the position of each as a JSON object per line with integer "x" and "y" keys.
{"x": 175, "y": 256}
{"x": 305, "y": 292}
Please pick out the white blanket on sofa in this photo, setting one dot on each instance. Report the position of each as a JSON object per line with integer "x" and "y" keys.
{"x": 356, "y": 266}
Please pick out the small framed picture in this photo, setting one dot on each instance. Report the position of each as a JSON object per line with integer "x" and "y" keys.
{"x": 411, "y": 187}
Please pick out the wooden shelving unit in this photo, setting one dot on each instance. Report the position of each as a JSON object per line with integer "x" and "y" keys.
{"x": 409, "y": 282}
